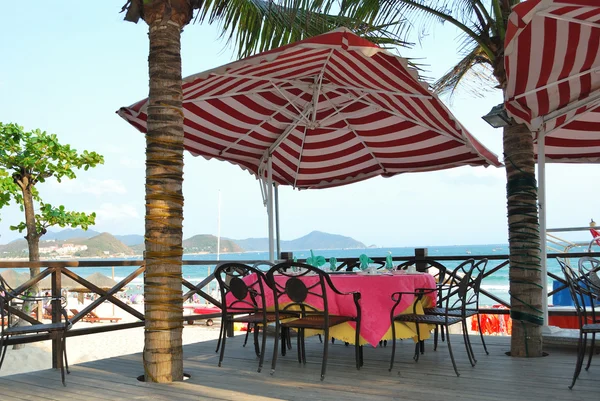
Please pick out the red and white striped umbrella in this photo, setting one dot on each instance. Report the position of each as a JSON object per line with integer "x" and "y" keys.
{"x": 329, "y": 110}
{"x": 552, "y": 61}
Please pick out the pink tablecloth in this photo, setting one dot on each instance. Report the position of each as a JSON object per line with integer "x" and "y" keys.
{"x": 376, "y": 302}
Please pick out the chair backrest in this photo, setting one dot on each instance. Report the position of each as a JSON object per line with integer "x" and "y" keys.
{"x": 355, "y": 265}
{"x": 582, "y": 297}
{"x": 296, "y": 284}
{"x": 459, "y": 285}
{"x": 589, "y": 268}
{"x": 476, "y": 278}
{"x": 242, "y": 288}
{"x": 263, "y": 265}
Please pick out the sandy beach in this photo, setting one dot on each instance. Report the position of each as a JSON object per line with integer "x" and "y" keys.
{"x": 38, "y": 356}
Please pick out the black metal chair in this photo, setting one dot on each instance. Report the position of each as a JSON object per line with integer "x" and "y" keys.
{"x": 589, "y": 268}
{"x": 471, "y": 304}
{"x": 458, "y": 286}
{"x": 242, "y": 290}
{"x": 585, "y": 302}
{"x": 293, "y": 294}
{"x": 11, "y": 328}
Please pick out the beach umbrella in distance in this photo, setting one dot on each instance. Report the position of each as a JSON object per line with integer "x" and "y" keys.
{"x": 552, "y": 61}
{"x": 65, "y": 282}
{"x": 326, "y": 111}
{"x": 99, "y": 280}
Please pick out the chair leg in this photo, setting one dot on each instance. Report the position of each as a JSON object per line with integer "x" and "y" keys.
{"x": 357, "y": 347}
{"x": 435, "y": 338}
{"x": 222, "y": 353}
{"x": 592, "y": 348}
{"x": 393, "y": 346}
{"x": 256, "y": 333}
{"x": 481, "y": 335}
{"x": 3, "y": 348}
{"x": 278, "y": 329}
{"x": 60, "y": 361}
{"x": 289, "y": 338}
{"x": 221, "y": 330}
{"x": 450, "y": 349}
{"x": 325, "y": 354}
{"x": 418, "y": 344}
{"x": 580, "y": 355}
{"x": 299, "y": 344}
{"x": 65, "y": 353}
{"x": 263, "y": 347}
{"x": 304, "y": 346}
{"x": 285, "y": 338}
{"x": 249, "y": 328}
{"x": 468, "y": 346}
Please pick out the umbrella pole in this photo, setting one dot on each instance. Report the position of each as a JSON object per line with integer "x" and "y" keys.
{"x": 270, "y": 207}
{"x": 542, "y": 208}
{"x": 277, "y": 221}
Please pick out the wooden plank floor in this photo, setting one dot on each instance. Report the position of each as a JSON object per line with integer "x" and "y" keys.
{"x": 495, "y": 377}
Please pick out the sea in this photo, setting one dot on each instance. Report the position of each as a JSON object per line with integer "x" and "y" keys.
{"x": 497, "y": 284}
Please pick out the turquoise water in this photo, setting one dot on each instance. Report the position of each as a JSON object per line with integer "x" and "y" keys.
{"x": 496, "y": 284}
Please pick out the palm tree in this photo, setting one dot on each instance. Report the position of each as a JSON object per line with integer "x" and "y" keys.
{"x": 253, "y": 25}
{"x": 483, "y": 26}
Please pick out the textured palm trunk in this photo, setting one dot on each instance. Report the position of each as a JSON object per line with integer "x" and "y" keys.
{"x": 163, "y": 351}
{"x": 524, "y": 243}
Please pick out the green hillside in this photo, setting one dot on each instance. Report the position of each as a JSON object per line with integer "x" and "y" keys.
{"x": 103, "y": 245}
{"x": 208, "y": 243}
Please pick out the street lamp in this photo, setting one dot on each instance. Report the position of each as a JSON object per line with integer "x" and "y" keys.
{"x": 497, "y": 117}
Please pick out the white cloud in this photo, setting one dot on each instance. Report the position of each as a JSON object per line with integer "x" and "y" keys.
{"x": 132, "y": 163}
{"x": 116, "y": 212}
{"x": 91, "y": 186}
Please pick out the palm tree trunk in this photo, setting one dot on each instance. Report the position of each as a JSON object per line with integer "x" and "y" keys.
{"x": 524, "y": 242}
{"x": 163, "y": 350}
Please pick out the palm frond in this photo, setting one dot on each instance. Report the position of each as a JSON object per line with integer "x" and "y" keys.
{"x": 259, "y": 25}
{"x": 473, "y": 74}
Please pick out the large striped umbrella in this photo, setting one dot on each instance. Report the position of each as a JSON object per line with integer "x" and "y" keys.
{"x": 552, "y": 61}
{"x": 326, "y": 111}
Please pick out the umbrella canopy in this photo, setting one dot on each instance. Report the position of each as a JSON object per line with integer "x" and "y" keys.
{"x": 99, "y": 280}
{"x": 329, "y": 110}
{"x": 552, "y": 61}
{"x": 65, "y": 282}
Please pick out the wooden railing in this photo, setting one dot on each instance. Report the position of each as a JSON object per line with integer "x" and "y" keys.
{"x": 57, "y": 269}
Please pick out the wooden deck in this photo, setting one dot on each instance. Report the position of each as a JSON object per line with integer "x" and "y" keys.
{"x": 496, "y": 377}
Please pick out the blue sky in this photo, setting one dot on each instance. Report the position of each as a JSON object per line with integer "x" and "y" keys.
{"x": 68, "y": 66}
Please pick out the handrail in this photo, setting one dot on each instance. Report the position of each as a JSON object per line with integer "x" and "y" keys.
{"x": 69, "y": 268}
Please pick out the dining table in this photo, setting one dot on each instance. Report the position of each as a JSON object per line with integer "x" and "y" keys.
{"x": 376, "y": 303}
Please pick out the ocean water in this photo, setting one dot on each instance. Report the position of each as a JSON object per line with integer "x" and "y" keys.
{"x": 496, "y": 284}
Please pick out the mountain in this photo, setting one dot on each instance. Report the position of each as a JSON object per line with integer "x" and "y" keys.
{"x": 131, "y": 239}
{"x": 68, "y": 234}
{"x": 208, "y": 243}
{"x": 314, "y": 240}
{"x": 100, "y": 245}
{"x": 107, "y": 245}
{"x": 103, "y": 244}
{"x": 14, "y": 249}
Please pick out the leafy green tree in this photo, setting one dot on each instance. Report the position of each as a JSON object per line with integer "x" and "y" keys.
{"x": 28, "y": 158}
{"x": 252, "y": 25}
{"x": 482, "y": 26}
